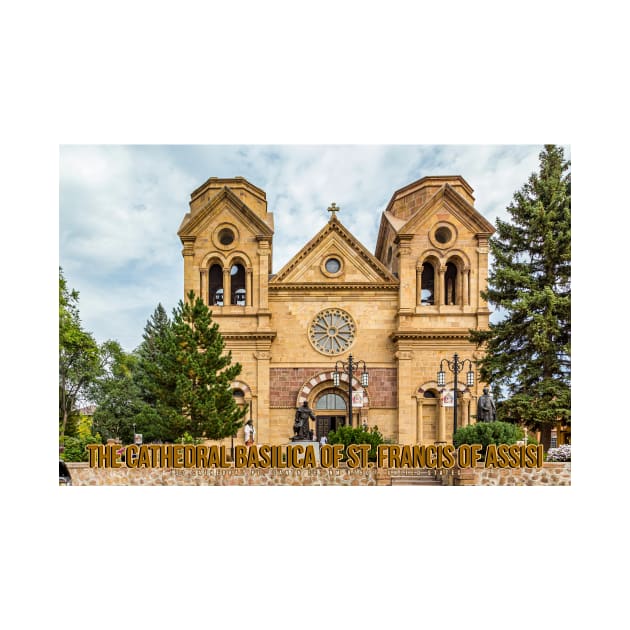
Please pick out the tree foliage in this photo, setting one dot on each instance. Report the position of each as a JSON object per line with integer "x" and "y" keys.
{"x": 528, "y": 351}
{"x": 160, "y": 418}
{"x": 347, "y": 435}
{"x": 485, "y": 433}
{"x": 116, "y": 394}
{"x": 203, "y": 373}
{"x": 79, "y": 361}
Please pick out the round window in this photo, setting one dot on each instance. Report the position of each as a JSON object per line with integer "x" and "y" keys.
{"x": 226, "y": 236}
{"x": 333, "y": 265}
{"x": 443, "y": 235}
{"x": 332, "y": 331}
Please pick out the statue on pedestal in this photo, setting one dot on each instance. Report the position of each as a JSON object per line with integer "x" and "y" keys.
{"x": 300, "y": 425}
{"x": 486, "y": 411}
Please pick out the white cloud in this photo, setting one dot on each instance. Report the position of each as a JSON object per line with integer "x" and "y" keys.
{"x": 120, "y": 207}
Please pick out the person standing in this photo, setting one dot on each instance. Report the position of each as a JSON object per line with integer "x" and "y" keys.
{"x": 250, "y": 432}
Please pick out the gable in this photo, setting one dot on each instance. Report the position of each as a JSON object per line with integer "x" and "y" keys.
{"x": 444, "y": 204}
{"x": 357, "y": 265}
{"x": 225, "y": 202}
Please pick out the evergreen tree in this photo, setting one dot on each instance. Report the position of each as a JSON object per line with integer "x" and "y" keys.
{"x": 528, "y": 351}
{"x": 79, "y": 362}
{"x": 160, "y": 416}
{"x": 204, "y": 373}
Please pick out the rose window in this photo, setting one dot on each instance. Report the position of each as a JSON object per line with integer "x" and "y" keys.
{"x": 332, "y": 331}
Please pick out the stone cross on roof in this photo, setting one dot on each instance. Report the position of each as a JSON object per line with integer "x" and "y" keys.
{"x": 334, "y": 209}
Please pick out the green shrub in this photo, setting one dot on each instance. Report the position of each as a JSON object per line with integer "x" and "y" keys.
{"x": 485, "y": 433}
{"x": 357, "y": 435}
{"x": 74, "y": 448}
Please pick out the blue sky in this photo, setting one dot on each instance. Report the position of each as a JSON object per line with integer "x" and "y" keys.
{"x": 120, "y": 207}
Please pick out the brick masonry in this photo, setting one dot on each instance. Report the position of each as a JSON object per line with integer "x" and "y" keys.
{"x": 285, "y": 383}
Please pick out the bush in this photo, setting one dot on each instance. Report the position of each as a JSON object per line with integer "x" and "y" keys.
{"x": 560, "y": 454}
{"x": 74, "y": 448}
{"x": 485, "y": 433}
{"x": 357, "y": 435}
{"x": 187, "y": 438}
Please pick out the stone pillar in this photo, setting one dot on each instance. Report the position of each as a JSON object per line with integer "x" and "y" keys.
{"x": 441, "y": 422}
{"x": 264, "y": 252}
{"x": 440, "y": 289}
{"x": 406, "y": 277}
{"x": 419, "y": 419}
{"x": 263, "y": 357}
{"x": 203, "y": 284}
{"x": 419, "y": 269}
{"x": 248, "y": 288}
{"x": 466, "y": 289}
{"x": 405, "y": 430}
{"x": 465, "y": 409}
{"x": 191, "y": 277}
{"x": 226, "y": 286}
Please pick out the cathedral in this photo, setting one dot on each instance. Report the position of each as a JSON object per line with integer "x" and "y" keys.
{"x": 359, "y": 336}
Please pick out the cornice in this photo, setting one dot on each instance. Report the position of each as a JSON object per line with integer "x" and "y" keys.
{"x": 265, "y": 335}
{"x": 429, "y": 334}
{"x": 332, "y": 287}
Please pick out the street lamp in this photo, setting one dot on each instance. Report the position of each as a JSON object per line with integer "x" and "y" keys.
{"x": 348, "y": 368}
{"x": 455, "y": 366}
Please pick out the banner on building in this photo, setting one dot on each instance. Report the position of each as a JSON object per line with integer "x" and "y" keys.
{"x": 447, "y": 398}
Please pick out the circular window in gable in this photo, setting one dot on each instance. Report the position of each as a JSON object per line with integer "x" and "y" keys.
{"x": 443, "y": 235}
{"x": 225, "y": 236}
{"x": 332, "y": 266}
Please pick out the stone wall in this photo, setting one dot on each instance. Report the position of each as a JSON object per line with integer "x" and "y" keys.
{"x": 551, "y": 474}
{"x": 83, "y": 475}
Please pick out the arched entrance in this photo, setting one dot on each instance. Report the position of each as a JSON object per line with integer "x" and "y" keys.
{"x": 331, "y": 410}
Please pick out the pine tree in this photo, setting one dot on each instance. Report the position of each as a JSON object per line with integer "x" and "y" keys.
{"x": 528, "y": 351}
{"x": 160, "y": 417}
{"x": 204, "y": 373}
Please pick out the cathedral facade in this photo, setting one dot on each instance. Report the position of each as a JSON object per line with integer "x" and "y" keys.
{"x": 398, "y": 312}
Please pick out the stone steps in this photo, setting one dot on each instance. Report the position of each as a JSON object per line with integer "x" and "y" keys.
{"x": 424, "y": 479}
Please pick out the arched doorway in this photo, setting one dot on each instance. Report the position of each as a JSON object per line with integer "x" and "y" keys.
{"x": 331, "y": 410}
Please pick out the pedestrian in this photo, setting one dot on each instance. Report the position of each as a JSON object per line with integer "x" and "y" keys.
{"x": 250, "y": 432}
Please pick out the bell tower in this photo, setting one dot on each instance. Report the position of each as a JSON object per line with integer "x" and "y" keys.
{"x": 227, "y": 238}
{"x": 435, "y": 241}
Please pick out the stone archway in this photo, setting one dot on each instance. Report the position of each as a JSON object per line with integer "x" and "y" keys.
{"x": 305, "y": 391}
{"x": 432, "y": 421}
{"x": 324, "y": 380}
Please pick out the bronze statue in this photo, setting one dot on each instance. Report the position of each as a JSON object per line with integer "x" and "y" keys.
{"x": 486, "y": 411}
{"x": 300, "y": 426}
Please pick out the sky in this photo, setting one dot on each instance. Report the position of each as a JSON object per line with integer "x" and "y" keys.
{"x": 120, "y": 207}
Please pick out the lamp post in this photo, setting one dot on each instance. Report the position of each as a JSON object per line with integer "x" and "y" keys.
{"x": 455, "y": 366}
{"x": 348, "y": 368}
